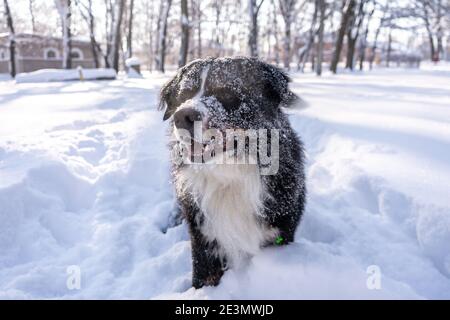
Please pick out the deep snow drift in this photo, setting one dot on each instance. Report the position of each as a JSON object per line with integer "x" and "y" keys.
{"x": 84, "y": 181}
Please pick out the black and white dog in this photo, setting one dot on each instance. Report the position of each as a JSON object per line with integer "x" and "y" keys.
{"x": 243, "y": 202}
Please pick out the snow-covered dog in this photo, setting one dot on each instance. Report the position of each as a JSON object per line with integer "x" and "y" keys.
{"x": 237, "y": 163}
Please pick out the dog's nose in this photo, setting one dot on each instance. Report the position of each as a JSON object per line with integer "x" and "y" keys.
{"x": 185, "y": 118}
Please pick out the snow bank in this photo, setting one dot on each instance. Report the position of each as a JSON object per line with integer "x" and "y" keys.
{"x": 53, "y": 75}
{"x": 84, "y": 181}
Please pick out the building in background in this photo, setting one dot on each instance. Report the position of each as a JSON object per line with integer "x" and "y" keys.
{"x": 34, "y": 52}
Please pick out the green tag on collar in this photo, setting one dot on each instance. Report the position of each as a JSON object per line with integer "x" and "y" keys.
{"x": 279, "y": 241}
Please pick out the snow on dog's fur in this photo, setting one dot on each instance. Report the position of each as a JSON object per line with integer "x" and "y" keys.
{"x": 233, "y": 209}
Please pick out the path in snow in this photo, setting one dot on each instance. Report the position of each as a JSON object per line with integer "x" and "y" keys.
{"x": 84, "y": 181}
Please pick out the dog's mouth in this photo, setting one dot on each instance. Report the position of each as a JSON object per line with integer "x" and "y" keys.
{"x": 209, "y": 148}
{"x": 199, "y": 148}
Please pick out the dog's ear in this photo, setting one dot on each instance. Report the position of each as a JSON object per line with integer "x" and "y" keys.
{"x": 277, "y": 86}
{"x": 167, "y": 98}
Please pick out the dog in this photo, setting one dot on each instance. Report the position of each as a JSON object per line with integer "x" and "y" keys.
{"x": 242, "y": 203}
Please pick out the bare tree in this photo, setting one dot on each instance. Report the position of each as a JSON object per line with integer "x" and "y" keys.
{"x": 253, "y": 9}
{"x": 286, "y": 9}
{"x": 88, "y": 16}
{"x": 426, "y": 17}
{"x": 377, "y": 33}
{"x": 158, "y": 33}
{"x": 431, "y": 12}
{"x": 363, "y": 41}
{"x": 439, "y": 31}
{"x": 389, "y": 48}
{"x": 33, "y": 19}
{"x": 184, "y": 48}
{"x": 305, "y": 50}
{"x": 110, "y": 19}
{"x": 275, "y": 32}
{"x": 65, "y": 11}
{"x": 353, "y": 30}
{"x": 217, "y": 5}
{"x": 149, "y": 8}
{"x": 130, "y": 30}
{"x": 162, "y": 34}
{"x": 348, "y": 6}
{"x": 198, "y": 12}
{"x": 321, "y": 4}
{"x": 12, "y": 40}
{"x": 117, "y": 35}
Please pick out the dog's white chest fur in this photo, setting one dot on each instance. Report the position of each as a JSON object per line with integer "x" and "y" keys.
{"x": 230, "y": 198}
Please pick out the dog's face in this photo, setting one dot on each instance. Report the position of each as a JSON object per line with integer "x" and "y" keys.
{"x": 225, "y": 93}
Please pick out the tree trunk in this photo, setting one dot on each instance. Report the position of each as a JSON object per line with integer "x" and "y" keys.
{"x": 275, "y": 33}
{"x": 12, "y": 40}
{"x": 363, "y": 44}
{"x": 377, "y": 33}
{"x": 304, "y": 56}
{"x": 67, "y": 34}
{"x": 389, "y": 48}
{"x": 373, "y": 50}
{"x": 199, "y": 30}
{"x": 347, "y": 12}
{"x": 149, "y": 28}
{"x": 353, "y": 34}
{"x": 287, "y": 8}
{"x": 253, "y": 32}
{"x": 117, "y": 35}
{"x": 287, "y": 45}
{"x": 322, "y": 6}
{"x": 94, "y": 44}
{"x": 215, "y": 31}
{"x": 439, "y": 31}
{"x": 158, "y": 33}
{"x": 184, "y": 33}
{"x": 351, "y": 44}
{"x": 162, "y": 29}
{"x": 110, "y": 21}
{"x": 433, "y": 55}
{"x": 130, "y": 31}
{"x": 431, "y": 42}
{"x": 33, "y": 18}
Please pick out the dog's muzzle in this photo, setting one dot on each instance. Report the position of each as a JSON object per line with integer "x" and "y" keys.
{"x": 185, "y": 119}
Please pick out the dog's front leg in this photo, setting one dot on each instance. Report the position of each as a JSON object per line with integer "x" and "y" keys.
{"x": 207, "y": 267}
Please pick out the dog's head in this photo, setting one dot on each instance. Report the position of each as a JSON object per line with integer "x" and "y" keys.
{"x": 226, "y": 93}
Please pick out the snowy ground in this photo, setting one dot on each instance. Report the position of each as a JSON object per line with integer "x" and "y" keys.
{"x": 84, "y": 181}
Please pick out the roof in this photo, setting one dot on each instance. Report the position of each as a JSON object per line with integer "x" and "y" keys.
{"x": 30, "y": 36}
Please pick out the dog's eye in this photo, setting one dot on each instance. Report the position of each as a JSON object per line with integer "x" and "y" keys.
{"x": 229, "y": 100}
